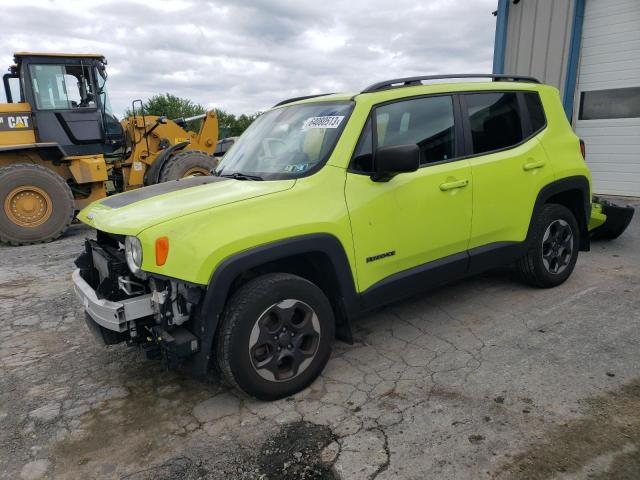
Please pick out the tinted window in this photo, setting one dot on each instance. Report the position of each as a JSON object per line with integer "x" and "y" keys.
{"x": 612, "y": 103}
{"x": 536, "y": 112}
{"x": 427, "y": 122}
{"x": 494, "y": 119}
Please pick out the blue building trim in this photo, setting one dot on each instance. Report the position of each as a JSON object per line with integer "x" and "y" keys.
{"x": 500, "y": 43}
{"x": 574, "y": 58}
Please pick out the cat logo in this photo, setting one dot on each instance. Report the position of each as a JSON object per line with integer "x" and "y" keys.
{"x": 18, "y": 122}
{"x": 14, "y": 122}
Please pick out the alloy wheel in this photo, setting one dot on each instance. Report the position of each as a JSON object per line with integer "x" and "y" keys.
{"x": 557, "y": 246}
{"x": 284, "y": 340}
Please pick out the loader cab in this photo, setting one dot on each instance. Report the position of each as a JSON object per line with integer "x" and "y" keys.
{"x": 69, "y": 101}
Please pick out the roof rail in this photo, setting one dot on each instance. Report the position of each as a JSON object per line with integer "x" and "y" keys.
{"x": 295, "y": 99}
{"x": 410, "y": 81}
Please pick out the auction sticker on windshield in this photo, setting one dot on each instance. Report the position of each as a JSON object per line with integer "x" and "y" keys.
{"x": 329, "y": 121}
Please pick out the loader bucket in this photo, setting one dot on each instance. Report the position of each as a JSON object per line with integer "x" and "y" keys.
{"x": 608, "y": 220}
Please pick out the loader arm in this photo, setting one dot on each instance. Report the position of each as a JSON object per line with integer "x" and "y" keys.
{"x": 208, "y": 135}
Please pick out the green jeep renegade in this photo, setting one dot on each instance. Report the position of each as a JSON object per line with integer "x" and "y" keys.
{"x": 330, "y": 206}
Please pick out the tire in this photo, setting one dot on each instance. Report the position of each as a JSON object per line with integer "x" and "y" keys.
{"x": 182, "y": 164}
{"x": 254, "y": 347}
{"x": 553, "y": 249}
{"x": 36, "y": 204}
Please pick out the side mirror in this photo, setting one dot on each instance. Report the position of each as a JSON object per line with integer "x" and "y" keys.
{"x": 395, "y": 159}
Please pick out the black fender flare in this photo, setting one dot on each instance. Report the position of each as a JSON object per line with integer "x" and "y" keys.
{"x": 577, "y": 182}
{"x": 152, "y": 175}
{"x": 205, "y": 323}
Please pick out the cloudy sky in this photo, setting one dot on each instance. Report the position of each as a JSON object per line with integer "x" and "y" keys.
{"x": 245, "y": 55}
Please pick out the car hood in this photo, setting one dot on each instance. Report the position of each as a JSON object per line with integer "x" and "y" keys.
{"x": 132, "y": 212}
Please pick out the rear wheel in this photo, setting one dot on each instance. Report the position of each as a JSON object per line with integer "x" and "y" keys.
{"x": 276, "y": 336}
{"x": 553, "y": 250}
{"x": 187, "y": 164}
{"x": 36, "y": 203}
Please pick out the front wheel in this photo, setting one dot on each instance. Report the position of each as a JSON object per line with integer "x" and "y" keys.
{"x": 553, "y": 250}
{"x": 276, "y": 336}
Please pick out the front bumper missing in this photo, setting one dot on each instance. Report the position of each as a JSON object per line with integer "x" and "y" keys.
{"x": 114, "y": 316}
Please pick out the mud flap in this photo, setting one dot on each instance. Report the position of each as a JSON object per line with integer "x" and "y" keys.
{"x": 608, "y": 220}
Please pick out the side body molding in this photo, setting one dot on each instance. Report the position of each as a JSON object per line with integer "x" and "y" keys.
{"x": 328, "y": 246}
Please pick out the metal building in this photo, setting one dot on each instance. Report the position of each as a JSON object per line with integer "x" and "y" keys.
{"x": 590, "y": 50}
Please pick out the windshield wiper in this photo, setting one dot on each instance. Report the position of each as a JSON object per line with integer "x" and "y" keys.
{"x": 241, "y": 176}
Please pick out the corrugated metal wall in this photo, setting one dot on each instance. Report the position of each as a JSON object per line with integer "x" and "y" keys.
{"x": 538, "y": 37}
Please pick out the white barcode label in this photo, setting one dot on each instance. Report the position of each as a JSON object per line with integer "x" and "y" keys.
{"x": 332, "y": 121}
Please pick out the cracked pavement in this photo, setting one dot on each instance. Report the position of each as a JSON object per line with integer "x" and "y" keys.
{"x": 472, "y": 380}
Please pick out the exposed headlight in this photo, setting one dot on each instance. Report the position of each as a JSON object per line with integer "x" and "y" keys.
{"x": 133, "y": 253}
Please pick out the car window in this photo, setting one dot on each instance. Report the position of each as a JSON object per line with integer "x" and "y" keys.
{"x": 536, "y": 112}
{"x": 494, "y": 119}
{"x": 59, "y": 87}
{"x": 426, "y": 122}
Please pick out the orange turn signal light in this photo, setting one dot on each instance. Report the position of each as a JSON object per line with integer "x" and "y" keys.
{"x": 162, "y": 250}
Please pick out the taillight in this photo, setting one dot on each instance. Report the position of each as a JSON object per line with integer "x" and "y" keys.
{"x": 583, "y": 149}
{"x": 162, "y": 250}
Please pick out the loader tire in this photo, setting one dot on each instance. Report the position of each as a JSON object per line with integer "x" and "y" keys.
{"x": 36, "y": 204}
{"x": 186, "y": 164}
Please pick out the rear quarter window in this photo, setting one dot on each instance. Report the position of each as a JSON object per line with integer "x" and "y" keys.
{"x": 535, "y": 110}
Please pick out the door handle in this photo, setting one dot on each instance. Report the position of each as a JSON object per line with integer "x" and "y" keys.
{"x": 533, "y": 165}
{"x": 451, "y": 185}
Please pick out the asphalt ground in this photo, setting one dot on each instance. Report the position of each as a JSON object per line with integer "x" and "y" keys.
{"x": 485, "y": 378}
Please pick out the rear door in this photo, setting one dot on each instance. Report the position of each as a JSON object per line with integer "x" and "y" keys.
{"x": 509, "y": 165}
{"x": 415, "y": 218}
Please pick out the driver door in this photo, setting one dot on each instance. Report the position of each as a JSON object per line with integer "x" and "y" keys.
{"x": 418, "y": 221}
{"x": 65, "y": 107}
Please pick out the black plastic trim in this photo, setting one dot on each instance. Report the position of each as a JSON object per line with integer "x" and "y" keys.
{"x": 414, "y": 280}
{"x": 577, "y": 182}
{"x": 494, "y": 255}
{"x": 206, "y": 323}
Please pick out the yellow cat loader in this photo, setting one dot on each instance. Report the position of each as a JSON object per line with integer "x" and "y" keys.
{"x": 61, "y": 147}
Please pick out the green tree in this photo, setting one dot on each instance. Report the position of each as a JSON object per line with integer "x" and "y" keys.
{"x": 232, "y": 126}
{"x": 174, "y": 107}
{"x": 171, "y": 106}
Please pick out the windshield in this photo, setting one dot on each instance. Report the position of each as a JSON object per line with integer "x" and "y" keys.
{"x": 287, "y": 142}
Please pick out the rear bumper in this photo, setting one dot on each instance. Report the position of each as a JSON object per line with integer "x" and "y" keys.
{"x": 114, "y": 316}
{"x": 608, "y": 220}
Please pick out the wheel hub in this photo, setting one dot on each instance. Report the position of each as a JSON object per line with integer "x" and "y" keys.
{"x": 284, "y": 340}
{"x": 557, "y": 246}
{"x": 196, "y": 172}
{"x": 28, "y": 206}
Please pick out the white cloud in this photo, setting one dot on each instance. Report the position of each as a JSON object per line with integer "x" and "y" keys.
{"x": 246, "y": 55}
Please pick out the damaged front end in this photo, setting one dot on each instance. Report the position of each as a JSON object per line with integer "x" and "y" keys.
{"x": 140, "y": 309}
{"x": 608, "y": 220}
